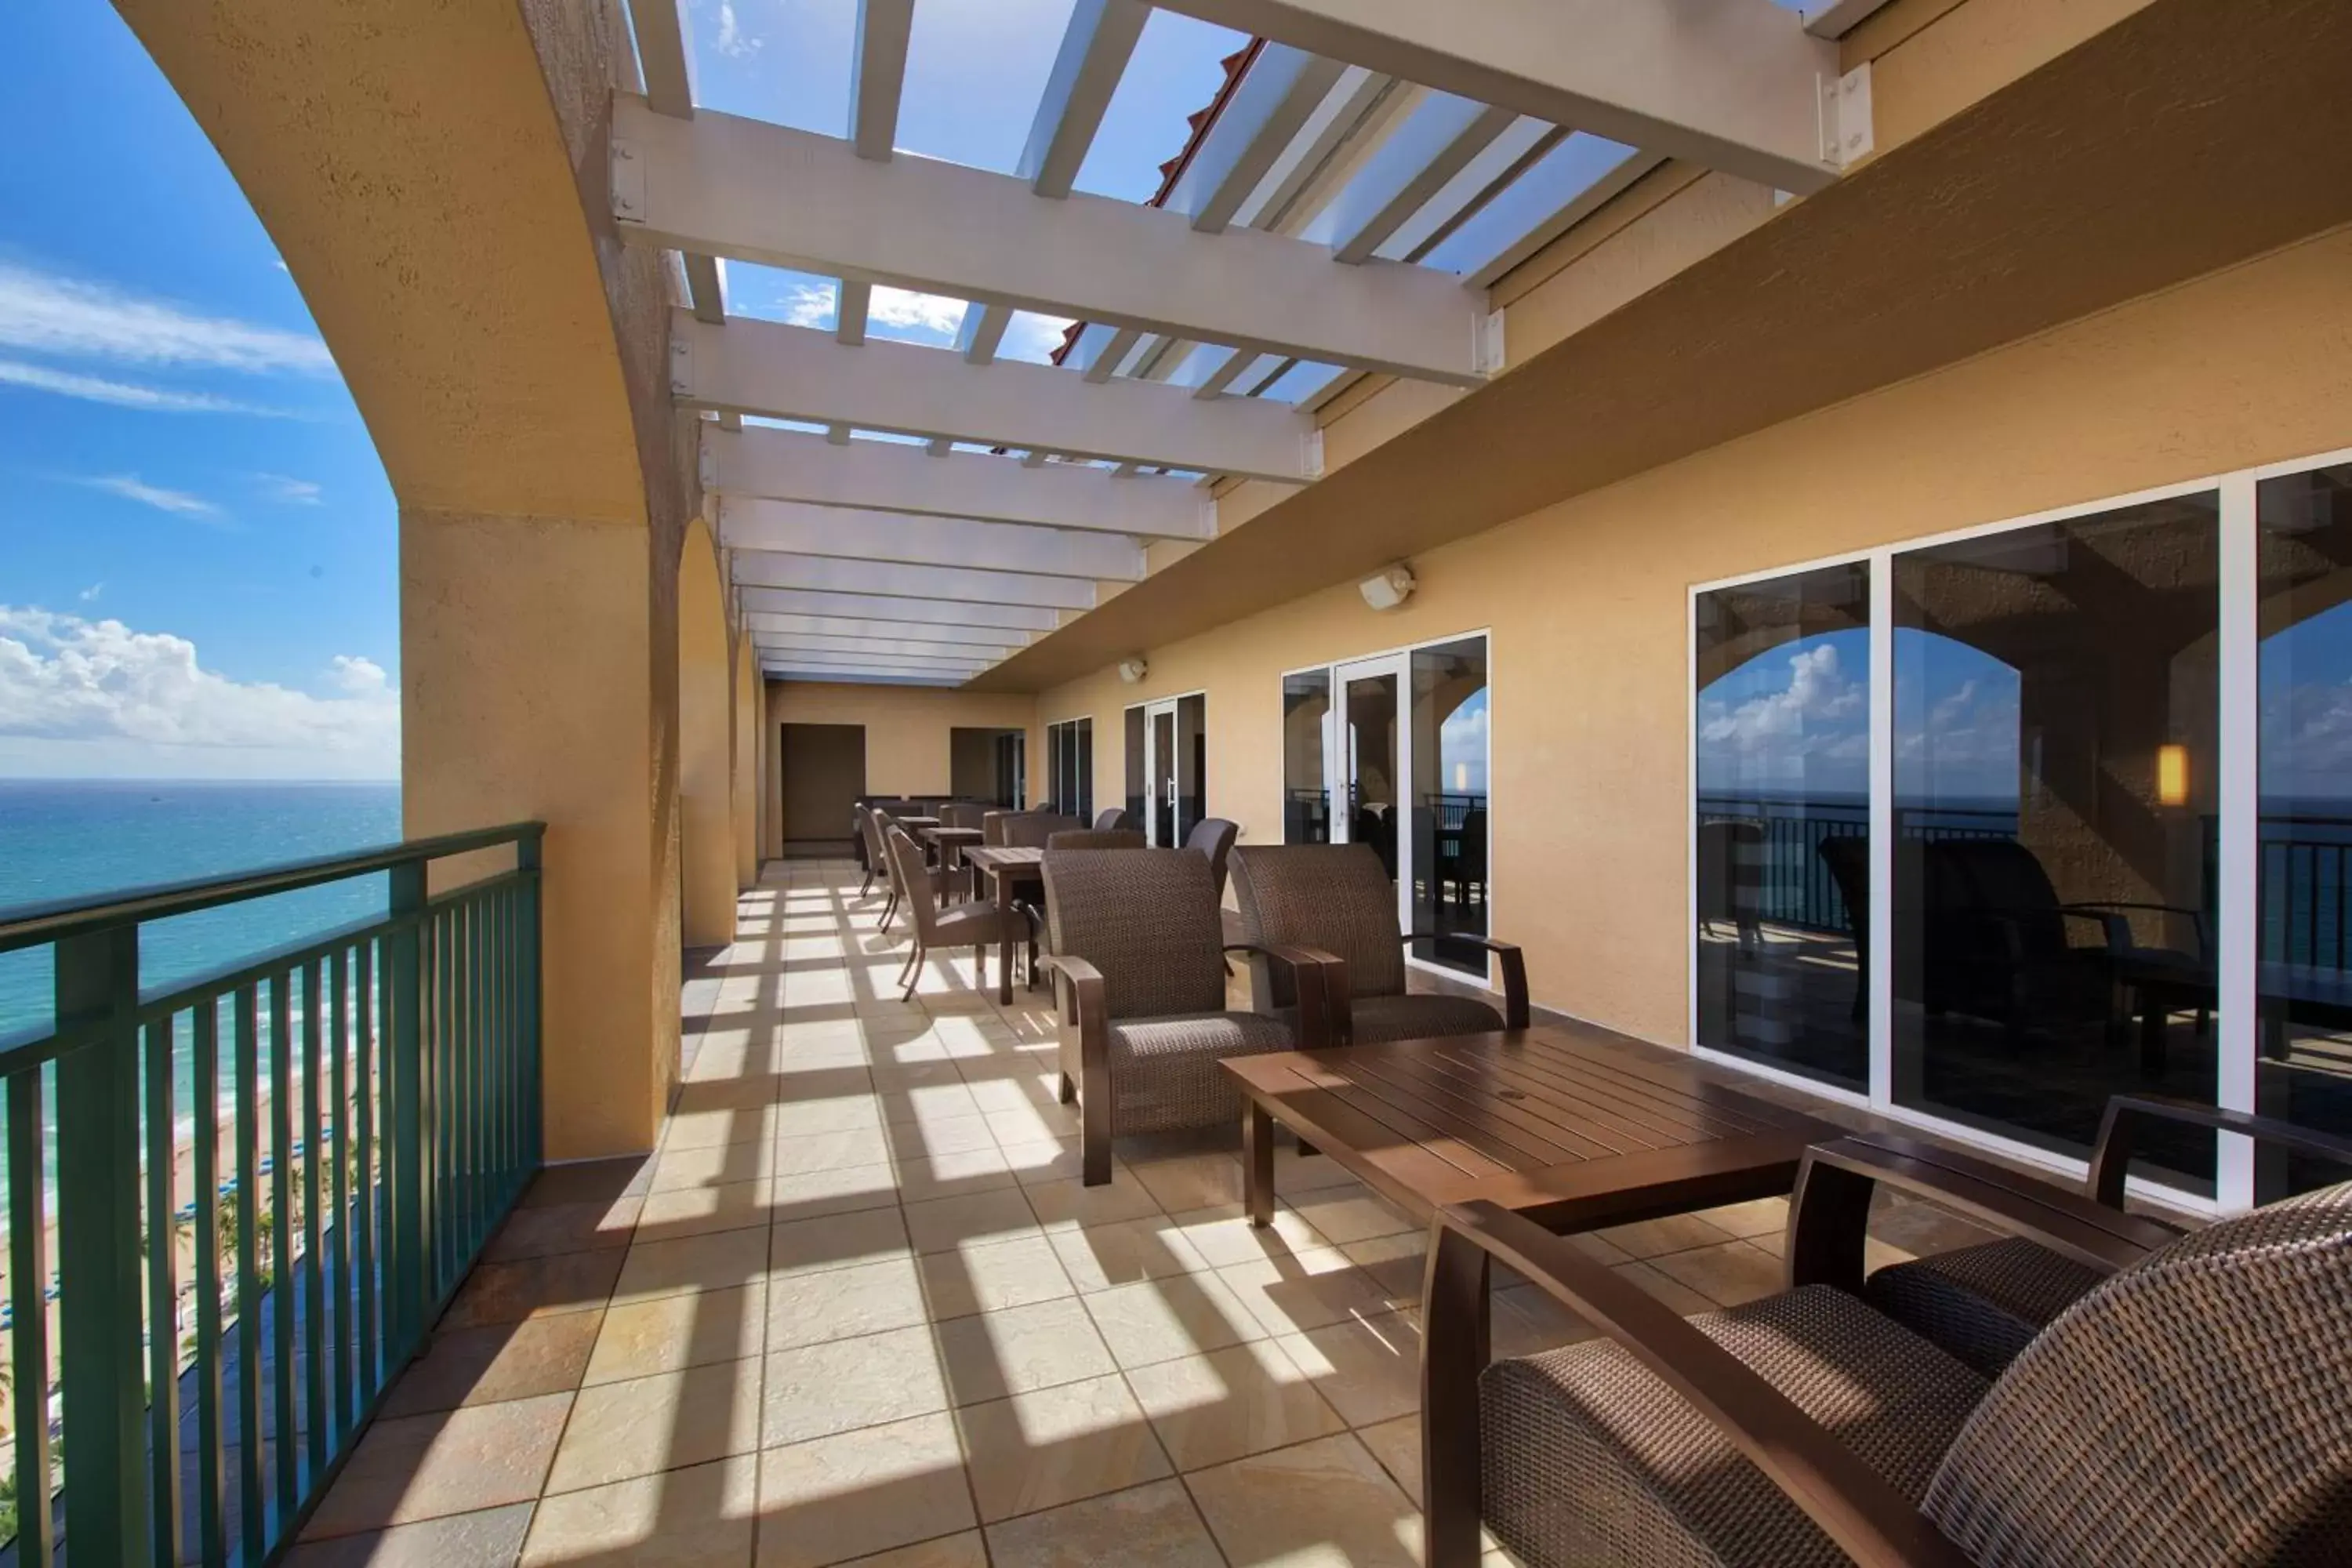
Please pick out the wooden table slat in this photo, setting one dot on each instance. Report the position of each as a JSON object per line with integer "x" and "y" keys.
{"x": 1651, "y": 1108}
{"x": 1537, "y": 1144}
{"x": 1681, "y": 1077}
{"x": 1406, "y": 1174}
{"x": 1402, "y": 1119}
{"x": 1598, "y": 1126}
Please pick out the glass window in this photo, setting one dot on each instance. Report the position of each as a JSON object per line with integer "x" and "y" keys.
{"x": 1449, "y": 801}
{"x": 1782, "y": 838}
{"x": 2056, "y": 720}
{"x": 1070, "y": 767}
{"x": 1306, "y": 788}
{"x": 2303, "y": 1066}
{"x": 1191, "y": 765}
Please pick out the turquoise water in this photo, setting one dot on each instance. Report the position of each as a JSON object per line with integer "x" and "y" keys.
{"x": 81, "y": 838}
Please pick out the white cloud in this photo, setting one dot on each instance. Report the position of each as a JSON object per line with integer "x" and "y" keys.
{"x": 909, "y": 312}
{"x": 130, "y": 487}
{"x": 90, "y": 593}
{"x": 42, "y": 314}
{"x": 97, "y": 698}
{"x": 292, "y": 491}
{"x": 126, "y": 394}
{"x": 1033, "y": 337}
{"x": 811, "y": 305}
{"x": 1818, "y": 695}
{"x": 731, "y": 40}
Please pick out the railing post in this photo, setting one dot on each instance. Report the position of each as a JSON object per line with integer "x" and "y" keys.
{"x": 407, "y": 1229}
{"x": 101, "y": 1363}
{"x": 529, "y": 860}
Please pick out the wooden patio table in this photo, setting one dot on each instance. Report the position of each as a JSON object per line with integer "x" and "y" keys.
{"x": 1574, "y": 1128}
{"x": 1010, "y": 868}
{"x": 950, "y": 843}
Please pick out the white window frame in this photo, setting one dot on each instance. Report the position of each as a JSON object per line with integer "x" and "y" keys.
{"x": 2237, "y": 857}
{"x": 1150, "y": 705}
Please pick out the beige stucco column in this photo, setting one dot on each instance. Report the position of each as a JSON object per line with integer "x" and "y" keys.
{"x": 432, "y": 176}
{"x": 745, "y": 739}
{"x": 706, "y": 762}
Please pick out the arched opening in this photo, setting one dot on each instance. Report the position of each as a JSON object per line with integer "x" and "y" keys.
{"x": 706, "y": 762}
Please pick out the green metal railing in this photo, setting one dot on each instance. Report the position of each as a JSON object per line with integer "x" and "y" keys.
{"x": 259, "y": 1187}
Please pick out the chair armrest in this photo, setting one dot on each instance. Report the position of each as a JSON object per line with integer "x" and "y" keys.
{"x": 1320, "y": 980}
{"x": 1830, "y": 1210}
{"x": 2118, "y": 1129}
{"x": 1854, "y": 1505}
{"x": 2094, "y": 906}
{"x": 1515, "y": 970}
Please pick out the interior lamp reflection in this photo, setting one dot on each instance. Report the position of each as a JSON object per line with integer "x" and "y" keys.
{"x": 2172, "y": 775}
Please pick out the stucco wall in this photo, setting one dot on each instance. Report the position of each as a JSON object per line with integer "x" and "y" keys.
{"x": 1586, "y": 601}
{"x": 907, "y": 727}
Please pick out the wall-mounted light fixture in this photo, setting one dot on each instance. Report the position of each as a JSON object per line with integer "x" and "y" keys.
{"x": 2172, "y": 774}
{"x": 1132, "y": 671}
{"x": 1389, "y": 589}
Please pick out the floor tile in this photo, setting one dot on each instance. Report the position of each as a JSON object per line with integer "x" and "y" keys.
{"x": 725, "y": 1260}
{"x": 547, "y": 1229}
{"x": 1223, "y": 1234}
{"x": 1368, "y": 1369}
{"x": 1020, "y": 1349}
{"x": 1177, "y": 1315}
{"x": 947, "y": 1222}
{"x": 1351, "y": 1214}
{"x": 838, "y": 1241}
{"x": 810, "y": 1195}
{"x": 1673, "y": 1233}
{"x": 1061, "y": 1204}
{"x": 666, "y": 1422}
{"x": 1192, "y": 1182}
{"x": 1151, "y": 1526}
{"x": 1058, "y": 1445}
{"x": 1729, "y": 1274}
{"x": 590, "y": 1180}
{"x": 487, "y": 1538}
{"x": 814, "y": 1391}
{"x": 701, "y": 1517}
{"x": 501, "y": 1360}
{"x": 712, "y": 1167}
{"x": 846, "y": 1150}
{"x": 858, "y": 1493}
{"x": 1290, "y": 1295}
{"x": 534, "y": 1288}
{"x": 952, "y": 1135}
{"x": 1100, "y": 1258}
{"x": 922, "y": 1178}
{"x": 670, "y": 1334}
{"x": 961, "y": 1550}
{"x": 990, "y": 1276}
{"x": 1241, "y": 1400}
{"x": 700, "y": 1211}
{"x": 426, "y": 1466}
{"x": 844, "y": 1303}
{"x": 1326, "y": 1504}
{"x": 1665, "y": 1287}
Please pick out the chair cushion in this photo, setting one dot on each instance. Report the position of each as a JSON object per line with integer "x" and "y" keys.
{"x": 1427, "y": 1016}
{"x": 1984, "y": 1304}
{"x": 2189, "y": 1410}
{"x": 1588, "y": 1457}
{"x": 1164, "y": 1071}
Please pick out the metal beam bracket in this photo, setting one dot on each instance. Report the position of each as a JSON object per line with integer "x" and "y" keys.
{"x": 1486, "y": 348}
{"x": 628, "y": 183}
{"x": 1847, "y": 135}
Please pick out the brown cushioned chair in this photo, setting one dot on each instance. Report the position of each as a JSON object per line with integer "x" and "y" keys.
{"x": 2189, "y": 1409}
{"x": 881, "y": 828}
{"x": 1117, "y": 820}
{"x": 1214, "y": 836}
{"x": 1098, "y": 838}
{"x": 1986, "y": 1303}
{"x": 1338, "y": 899}
{"x": 975, "y": 926}
{"x": 1138, "y": 959}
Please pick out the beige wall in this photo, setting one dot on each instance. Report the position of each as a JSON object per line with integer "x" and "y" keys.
{"x": 907, "y": 727}
{"x": 1588, "y": 601}
{"x": 743, "y": 741}
{"x": 706, "y": 781}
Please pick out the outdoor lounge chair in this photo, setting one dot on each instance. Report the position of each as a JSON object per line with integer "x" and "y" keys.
{"x": 1098, "y": 838}
{"x": 973, "y": 925}
{"x": 2191, "y": 1409}
{"x": 1115, "y": 819}
{"x": 1985, "y": 1303}
{"x": 1338, "y": 899}
{"x": 1137, "y": 960}
{"x": 1214, "y": 836}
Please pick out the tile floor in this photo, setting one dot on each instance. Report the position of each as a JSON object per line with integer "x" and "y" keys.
{"x": 858, "y": 1309}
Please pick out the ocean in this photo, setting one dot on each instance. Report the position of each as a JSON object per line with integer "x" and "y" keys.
{"x": 79, "y": 838}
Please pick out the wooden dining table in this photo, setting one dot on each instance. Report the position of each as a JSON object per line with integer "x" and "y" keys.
{"x": 1010, "y": 868}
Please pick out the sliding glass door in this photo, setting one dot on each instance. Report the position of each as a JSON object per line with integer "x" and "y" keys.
{"x": 1167, "y": 767}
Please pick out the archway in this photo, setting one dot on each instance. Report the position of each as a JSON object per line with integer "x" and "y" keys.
{"x": 706, "y": 762}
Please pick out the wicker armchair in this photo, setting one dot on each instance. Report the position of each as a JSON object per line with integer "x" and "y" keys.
{"x": 1337, "y": 898}
{"x": 1098, "y": 838}
{"x": 1986, "y": 1303}
{"x": 1137, "y": 961}
{"x": 1036, "y": 829}
{"x": 1116, "y": 819}
{"x": 2189, "y": 1410}
{"x": 1214, "y": 836}
{"x": 878, "y": 831}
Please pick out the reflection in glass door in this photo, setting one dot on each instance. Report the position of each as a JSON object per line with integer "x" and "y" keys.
{"x": 1369, "y": 741}
{"x": 1306, "y": 774}
{"x": 1448, "y": 859}
{"x": 1167, "y": 751}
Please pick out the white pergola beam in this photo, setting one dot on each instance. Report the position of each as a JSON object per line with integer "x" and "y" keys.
{"x": 856, "y": 654}
{"x": 1094, "y": 50}
{"x": 783, "y": 465}
{"x": 795, "y": 373}
{"x": 856, "y": 534}
{"x": 819, "y": 574}
{"x": 767, "y": 193}
{"x": 985, "y": 642}
{"x": 784, "y": 670}
{"x": 1733, "y": 84}
{"x": 1284, "y": 88}
{"x": 885, "y": 607}
{"x": 706, "y": 285}
{"x": 662, "y": 56}
{"x": 1462, "y": 141}
{"x": 883, "y": 27}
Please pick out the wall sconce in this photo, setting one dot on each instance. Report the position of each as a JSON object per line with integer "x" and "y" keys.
{"x": 1132, "y": 671}
{"x": 1462, "y": 778}
{"x": 1389, "y": 589}
{"x": 2172, "y": 775}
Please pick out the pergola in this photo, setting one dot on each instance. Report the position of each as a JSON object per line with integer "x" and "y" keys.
{"x": 894, "y": 513}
